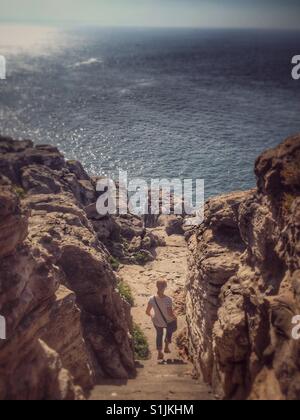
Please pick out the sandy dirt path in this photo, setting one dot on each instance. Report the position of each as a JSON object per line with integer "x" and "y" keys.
{"x": 156, "y": 381}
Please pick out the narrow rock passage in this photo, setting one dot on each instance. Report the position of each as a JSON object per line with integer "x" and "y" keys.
{"x": 156, "y": 381}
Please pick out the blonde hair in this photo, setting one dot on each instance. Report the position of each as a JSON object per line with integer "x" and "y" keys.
{"x": 161, "y": 285}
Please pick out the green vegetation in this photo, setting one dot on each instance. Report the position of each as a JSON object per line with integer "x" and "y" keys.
{"x": 114, "y": 263}
{"x": 19, "y": 192}
{"x": 141, "y": 258}
{"x": 126, "y": 292}
{"x": 141, "y": 347}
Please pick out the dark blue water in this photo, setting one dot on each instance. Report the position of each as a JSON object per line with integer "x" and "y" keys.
{"x": 166, "y": 103}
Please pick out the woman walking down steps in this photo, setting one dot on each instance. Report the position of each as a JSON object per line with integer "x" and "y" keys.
{"x": 169, "y": 379}
{"x": 163, "y": 318}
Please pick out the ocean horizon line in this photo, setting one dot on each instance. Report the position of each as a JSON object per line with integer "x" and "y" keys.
{"x": 99, "y": 25}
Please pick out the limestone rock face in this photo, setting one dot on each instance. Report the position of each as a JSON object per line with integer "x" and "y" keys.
{"x": 125, "y": 236}
{"x": 13, "y": 222}
{"x": 29, "y": 369}
{"x": 243, "y": 284}
{"x": 66, "y": 324}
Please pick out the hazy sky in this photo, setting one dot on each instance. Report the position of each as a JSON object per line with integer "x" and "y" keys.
{"x": 182, "y": 13}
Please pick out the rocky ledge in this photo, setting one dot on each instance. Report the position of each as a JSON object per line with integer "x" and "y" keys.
{"x": 67, "y": 326}
{"x": 243, "y": 288}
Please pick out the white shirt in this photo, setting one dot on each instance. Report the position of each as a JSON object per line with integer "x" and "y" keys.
{"x": 164, "y": 303}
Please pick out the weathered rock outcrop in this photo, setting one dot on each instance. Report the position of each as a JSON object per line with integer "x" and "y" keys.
{"x": 29, "y": 369}
{"x": 243, "y": 285}
{"x": 66, "y": 324}
{"x": 125, "y": 236}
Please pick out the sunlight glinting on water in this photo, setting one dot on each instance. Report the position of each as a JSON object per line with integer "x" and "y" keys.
{"x": 15, "y": 39}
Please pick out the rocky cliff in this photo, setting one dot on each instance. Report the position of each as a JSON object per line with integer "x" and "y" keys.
{"x": 244, "y": 284}
{"x": 66, "y": 323}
